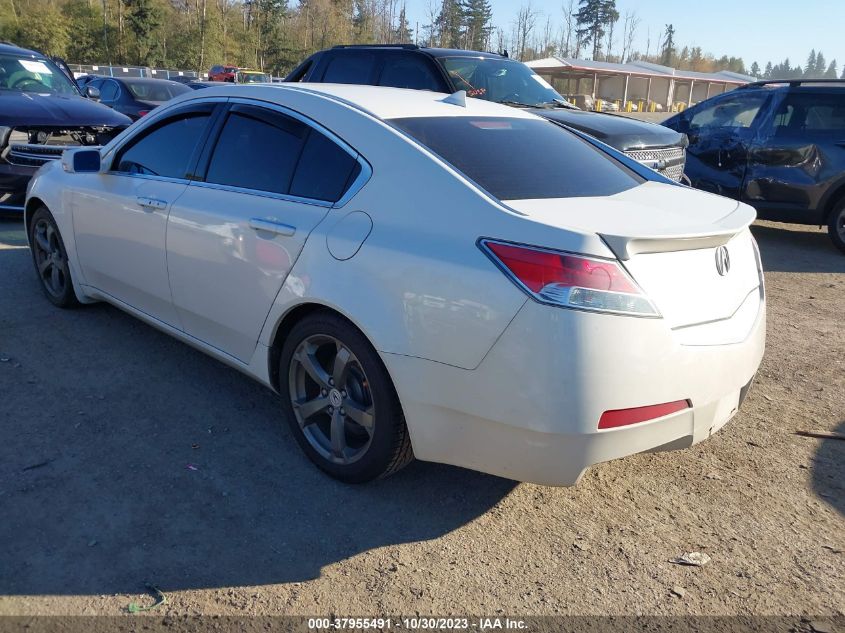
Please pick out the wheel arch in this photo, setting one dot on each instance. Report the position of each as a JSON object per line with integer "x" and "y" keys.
{"x": 293, "y": 316}
{"x": 833, "y": 198}
{"x": 31, "y": 206}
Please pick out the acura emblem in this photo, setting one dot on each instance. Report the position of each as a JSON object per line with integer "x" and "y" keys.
{"x": 723, "y": 260}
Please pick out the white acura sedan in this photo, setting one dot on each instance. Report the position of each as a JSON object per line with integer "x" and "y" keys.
{"x": 417, "y": 274}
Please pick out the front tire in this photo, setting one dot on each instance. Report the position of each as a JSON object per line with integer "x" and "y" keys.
{"x": 50, "y": 258}
{"x": 836, "y": 225}
{"x": 340, "y": 402}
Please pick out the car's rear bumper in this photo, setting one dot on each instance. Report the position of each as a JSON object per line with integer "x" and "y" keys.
{"x": 530, "y": 410}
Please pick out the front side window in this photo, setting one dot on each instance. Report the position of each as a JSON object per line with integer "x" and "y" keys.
{"x": 500, "y": 80}
{"x": 408, "y": 71}
{"x": 108, "y": 91}
{"x": 518, "y": 159}
{"x": 27, "y": 74}
{"x": 164, "y": 151}
{"x": 733, "y": 111}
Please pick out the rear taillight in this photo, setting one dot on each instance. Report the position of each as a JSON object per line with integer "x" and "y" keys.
{"x": 571, "y": 281}
{"x": 624, "y": 417}
{"x": 143, "y": 112}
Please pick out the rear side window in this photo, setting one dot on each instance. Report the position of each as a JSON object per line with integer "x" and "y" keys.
{"x": 257, "y": 152}
{"x": 519, "y": 159}
{"x": 350, "y": 67}
{"x": 811, "y": 113}
{"x": 324, "y": 171}
{"x": 408, "y": 71}
{"x": 166, "y": 150}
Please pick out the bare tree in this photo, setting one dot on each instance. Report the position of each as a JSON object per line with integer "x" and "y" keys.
{"x": 632, "y": 21}
{"x": 526, "y": 20}
{"x": 567, "y": 39}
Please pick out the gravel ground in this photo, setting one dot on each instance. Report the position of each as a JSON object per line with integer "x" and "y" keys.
{"x": 100, "y": 416}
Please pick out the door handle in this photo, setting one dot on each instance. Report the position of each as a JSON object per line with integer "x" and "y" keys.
{"x": 273, "y": 227}
{"x": 151, "y": 203}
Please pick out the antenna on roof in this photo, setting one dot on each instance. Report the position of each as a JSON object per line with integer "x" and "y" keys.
{"x": 458, "y": 98}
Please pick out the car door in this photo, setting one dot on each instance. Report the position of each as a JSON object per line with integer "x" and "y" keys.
{"x": 120, "y": 215}
{"x": 268, "y": 178}
{"x": 800, "y": 157}
{"x": 109, "y": 92}
{"x": 720, "y": 132}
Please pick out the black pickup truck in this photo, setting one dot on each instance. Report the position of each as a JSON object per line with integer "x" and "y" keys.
{"x": 42, "y": 112}
{"x": 495, "y": 78}
{"x": 777, "y": 145}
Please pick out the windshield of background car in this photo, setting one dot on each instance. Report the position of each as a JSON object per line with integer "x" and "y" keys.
{"x": 154, "y": 91}
{"x": 33, "y": 75}
{"x": 520, "y": 159}
{"x": 252, "y": 78}
{"x": 499, "y": 80}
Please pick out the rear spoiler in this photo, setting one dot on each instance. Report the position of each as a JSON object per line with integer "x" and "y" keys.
{"x": 625, "y": 247}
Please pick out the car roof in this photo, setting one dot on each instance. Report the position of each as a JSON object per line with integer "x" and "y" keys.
{"x": 434, "y": 52}
{"x": 143, "y": 80}
{"x": 454, "y": 52}
{"x": 381, "y": 102}
{"x": 7, "y": 47}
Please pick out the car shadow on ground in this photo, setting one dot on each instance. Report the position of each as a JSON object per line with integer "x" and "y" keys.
{"x": 126, "y": 456}
{"x": 829, "y": 471}
{"x": 793, "y": 248}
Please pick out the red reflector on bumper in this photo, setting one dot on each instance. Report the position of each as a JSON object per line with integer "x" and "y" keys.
{"x": 623, "y": 417}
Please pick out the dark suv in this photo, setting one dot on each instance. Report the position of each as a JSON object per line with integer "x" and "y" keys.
{"x": 495, "y": 78}
{"x": 777, "y": 145}
{"x": 42, "y": 112}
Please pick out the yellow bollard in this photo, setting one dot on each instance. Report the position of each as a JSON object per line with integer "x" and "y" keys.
{"x": 598, "y": 105}
{"x": 629, "y": 106}
{"x": 652, "y": 107}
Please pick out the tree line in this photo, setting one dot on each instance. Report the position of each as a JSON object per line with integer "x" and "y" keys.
{"x": 274, "y": 35}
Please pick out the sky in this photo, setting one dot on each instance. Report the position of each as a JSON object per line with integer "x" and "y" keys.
{"x": 756, "y": 30}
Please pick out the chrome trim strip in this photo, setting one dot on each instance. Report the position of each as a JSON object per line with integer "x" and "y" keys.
{"x": 258, "y": 192}
{"x": 363, "y": 178}
{"x": 11, "y": 207}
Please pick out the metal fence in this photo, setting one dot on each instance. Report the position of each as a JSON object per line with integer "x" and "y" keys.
{"x": 134, "y": 71}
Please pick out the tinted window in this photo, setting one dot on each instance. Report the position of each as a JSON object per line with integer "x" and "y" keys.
{"x": 811, "y": 113}
{"x": 166, "y": 150}
{"x": 257, "y": 151}
{"x": 517, "y": 159}
{"x": 350, "y": 68}
{"x": 408, "y": 71}
{"x": 108, "y": 91}
{"x": 734, "y": 111}
{"x": 498, "y": 80}
{"x": 324, "y": 171}
{"x": 155, "y": 90}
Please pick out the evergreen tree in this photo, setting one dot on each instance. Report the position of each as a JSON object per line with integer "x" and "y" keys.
{"x": 767, "y": 74}
{"x": 811, "y": 62}
{"x": 821, "y": 66}
{"x": 591, "y": 20}
{"x": 449, "y": 23}
{"x": 143, "y": 20}
{"x": 755, "y": 70}
{"x": 667, "y": 56}
{"x": 402, "y": 32}
{"x": 831, "y": 73}
{"x": 478, "y": 24}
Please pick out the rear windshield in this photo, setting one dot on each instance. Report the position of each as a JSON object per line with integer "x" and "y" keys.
{"x": 520, "y": 159}
{"x": 155, "y": 91}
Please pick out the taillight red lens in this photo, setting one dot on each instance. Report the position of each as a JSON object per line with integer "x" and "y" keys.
{"x": 537, "y": 269}
{"x": 143, "y": 112}
{"x": 574, "y": 281}
{"x": 624, "y": 417}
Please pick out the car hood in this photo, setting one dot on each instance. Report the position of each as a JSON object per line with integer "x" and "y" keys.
{"x": 27, "y": 108}
{"x": 620, "y": 132}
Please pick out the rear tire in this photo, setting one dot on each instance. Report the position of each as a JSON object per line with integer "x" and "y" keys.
{"x": 50, "y": 258}
{"x": 340, "y": 402}
{"x": 836, "y": 225}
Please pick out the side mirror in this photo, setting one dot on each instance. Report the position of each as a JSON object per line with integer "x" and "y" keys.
{"x": 92, "y": 93}
{"x": 683, "y": 124}
{"x": 82, "y": 160}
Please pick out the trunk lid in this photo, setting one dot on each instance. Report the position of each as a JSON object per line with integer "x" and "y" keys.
{"x": 669, "y": 239}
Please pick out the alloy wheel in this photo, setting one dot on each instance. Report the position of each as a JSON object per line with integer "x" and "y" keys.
{"x": 331, "y": 399}
{"x": 50, "y": 259}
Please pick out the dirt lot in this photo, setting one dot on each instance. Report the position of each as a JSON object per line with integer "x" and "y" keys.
{"x": 100, "y": 416}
